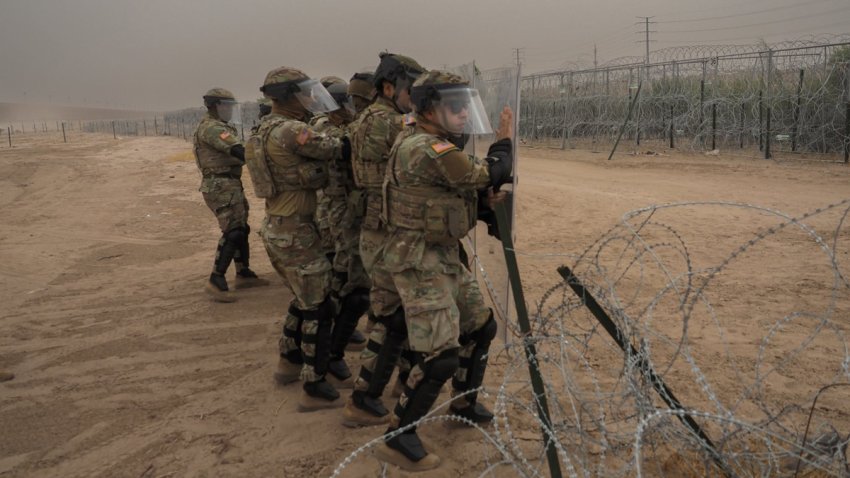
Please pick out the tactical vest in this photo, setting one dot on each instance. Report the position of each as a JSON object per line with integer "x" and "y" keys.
{"x": 443, "y": 215}
{"x": 340, "y": 179}
{"x": 369, "y": 170}
{"x": 271, "y": 178}
{"x": 213, "y": 162}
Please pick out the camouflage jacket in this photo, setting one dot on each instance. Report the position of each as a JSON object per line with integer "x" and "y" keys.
{"x": 213, "y": 140}
{"x": 431, "y": 168}
{"x": 291, "y": 144}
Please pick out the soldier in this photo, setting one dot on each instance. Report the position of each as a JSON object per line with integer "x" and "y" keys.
{"x": 220, "y": 156}
{"x": 431, "y": 196}
{"x": 361, "y": 88}
{"x": 335, "y": 220}
{"x": 288, "y": 161}
{"x": 373, "y": 134}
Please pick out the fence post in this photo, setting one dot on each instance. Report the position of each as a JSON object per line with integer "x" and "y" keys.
{"x": 145, "y": 124}
{"x": 761, "y": 123}
{"x": 743, "y": 114}
{"x": 767, "y": 154}
{"x": 672, "y": 130}
{"x": 713, "y": 126}
{"x": 9, "y": 132}
{"x": 846, "y": 132}
{"x": 154, "y": 126}
{"x": 113, "y": 131}
{"x": 64, "y": 138}
{"x": 795, "y": 129}
{"x": 565, "y": 98}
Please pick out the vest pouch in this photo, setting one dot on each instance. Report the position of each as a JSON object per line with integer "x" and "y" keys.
{"x": 372, "y": 216}
{"x": 312, "y": 175}
{"x": 258, "y": 168}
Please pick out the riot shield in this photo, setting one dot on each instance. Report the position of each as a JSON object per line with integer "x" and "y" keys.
{"x": 498, "y": 88}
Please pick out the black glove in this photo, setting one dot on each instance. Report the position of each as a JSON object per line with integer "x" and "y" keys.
{"x": 500, "y": 159}
{"x": 488, "y": 216}
{"x": 346, "y": 150}
{"x": 238, "y": 152}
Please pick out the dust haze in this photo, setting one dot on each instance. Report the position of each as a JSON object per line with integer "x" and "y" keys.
{"x": 161, "y": 55}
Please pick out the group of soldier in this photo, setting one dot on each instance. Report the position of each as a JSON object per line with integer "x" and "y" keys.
{"x": 368, "y": 193}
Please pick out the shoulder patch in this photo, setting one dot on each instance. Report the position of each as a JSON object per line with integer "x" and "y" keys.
{"x": 304, "y": 136}
{"x": 441, "y": 148}
{"x": 224, "y": 135}
{"x": 408, "y": 119}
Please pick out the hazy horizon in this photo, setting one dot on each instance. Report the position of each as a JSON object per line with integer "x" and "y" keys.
{"x": 160, "y": 56}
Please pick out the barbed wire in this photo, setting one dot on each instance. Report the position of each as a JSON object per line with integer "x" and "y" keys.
{"x": 786, "y": 97}
{"x": 766, "y": 387}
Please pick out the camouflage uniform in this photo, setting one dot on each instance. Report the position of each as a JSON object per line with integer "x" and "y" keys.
{"x": 430, "y": 203}
{"x": 288, "y": 161}
{"x": 372, "y": 136}
{"x": 221, "y": 183}
{"x": 219, "y": 156}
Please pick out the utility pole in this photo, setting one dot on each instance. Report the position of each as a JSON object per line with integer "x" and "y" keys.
{"x": 646, "y": 32}
{"x": 594, "y": 56}
{"x": 518, "y": 51}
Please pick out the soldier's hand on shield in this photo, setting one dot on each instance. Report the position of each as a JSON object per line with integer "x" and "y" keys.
{"x": 506, "y": 124}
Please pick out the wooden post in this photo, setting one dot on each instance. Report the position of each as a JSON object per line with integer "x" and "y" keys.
{"x": 145, "y": 125}
{"x": 9, "y": 132}
{"x": 64, "y": 138}
{"x": 113, "y": 131}
{"x": 154, "y": 126}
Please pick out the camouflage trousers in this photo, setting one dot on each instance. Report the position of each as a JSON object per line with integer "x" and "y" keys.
{"x": 439, "y": 306}
{"x": 369, "y": 244}
{"x": 295, "y": 251}
{"x": 226, "y": 199}
{"x": 345, "y": 230}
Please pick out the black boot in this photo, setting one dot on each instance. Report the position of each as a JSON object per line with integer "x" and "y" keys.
{"x": 406, "y": 450}
{"x": 353, "y": 306}
{"x": 216, "y": 288}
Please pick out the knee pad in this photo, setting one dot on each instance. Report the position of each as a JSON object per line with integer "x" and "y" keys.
{"x": 236, "y": 236}
{"x": 483, "y": 335}
{"x": 358, "y": 299}
{"x": 395, "y": 323}
{"x": 442, "y": 367}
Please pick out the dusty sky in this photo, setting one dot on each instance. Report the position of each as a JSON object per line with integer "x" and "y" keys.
{"x": 161, "y": 55}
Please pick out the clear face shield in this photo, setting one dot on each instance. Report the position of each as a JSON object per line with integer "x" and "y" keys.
{"x": 460, "y": 111}
{"x": 229, "y": 111}
{"x": 315, "y": 97}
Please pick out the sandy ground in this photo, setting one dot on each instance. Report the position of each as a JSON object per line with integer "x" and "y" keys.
{"x": 124, "y": 368}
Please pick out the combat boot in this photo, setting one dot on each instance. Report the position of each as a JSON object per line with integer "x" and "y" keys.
{"x": 318, "y": 395}
{"x": 340, "y": 375}
{"x": 407, "y": 452}
{"x": 364, "y": 411}
{"x": 289, "y": 368}
{"x": 246, "y": 279}
{"x": 471, "y": 410}
{"x": 217, "y": 289}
